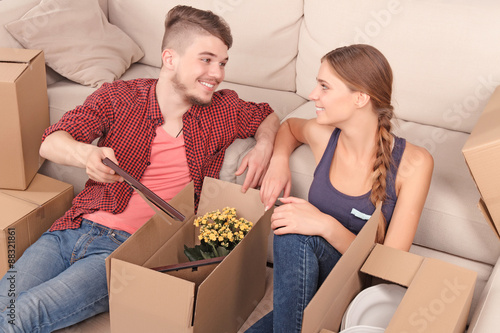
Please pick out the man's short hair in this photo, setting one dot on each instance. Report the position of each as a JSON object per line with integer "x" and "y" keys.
{"x": 183, "y": 23}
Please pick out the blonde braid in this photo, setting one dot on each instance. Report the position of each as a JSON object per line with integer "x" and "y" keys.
{"x": 382, "y": 166}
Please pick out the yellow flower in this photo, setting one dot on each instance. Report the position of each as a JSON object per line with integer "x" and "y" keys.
{"x": 222, "y": 228}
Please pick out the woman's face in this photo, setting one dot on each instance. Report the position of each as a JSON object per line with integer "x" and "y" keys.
{"x": 334, "y": 101}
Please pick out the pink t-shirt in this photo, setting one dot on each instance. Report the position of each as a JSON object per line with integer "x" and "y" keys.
{"x": 166, "y": 176}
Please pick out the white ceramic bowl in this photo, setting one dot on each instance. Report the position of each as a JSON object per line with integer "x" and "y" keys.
{"x": 374, "y": 306}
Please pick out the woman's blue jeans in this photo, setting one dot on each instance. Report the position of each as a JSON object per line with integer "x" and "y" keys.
{"x": 59, "y": 280}
{"x": 301, "y": 265}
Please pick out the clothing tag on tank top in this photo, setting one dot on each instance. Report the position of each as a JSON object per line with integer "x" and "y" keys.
{"x": 360, "y": 215}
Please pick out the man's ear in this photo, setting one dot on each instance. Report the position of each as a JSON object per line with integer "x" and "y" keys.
{"x": 168, "y": 58}
{"x": 361, "y": 99}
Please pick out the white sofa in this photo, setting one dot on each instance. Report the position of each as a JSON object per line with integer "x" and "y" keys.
{"x": 444, "y": 55}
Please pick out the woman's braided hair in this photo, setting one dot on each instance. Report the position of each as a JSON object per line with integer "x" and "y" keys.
{"x": 364, "y": 68}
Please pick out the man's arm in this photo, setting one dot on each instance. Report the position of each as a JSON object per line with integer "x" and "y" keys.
{"x": 61, "y": 148}
{"x": 257, "y": 159}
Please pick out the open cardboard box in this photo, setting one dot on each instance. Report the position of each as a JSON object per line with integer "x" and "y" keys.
{"x": 437, "y": 300}
{"x": 27, "y": 214}
{"x": 482, "y": 154}
{"x": 24, "y": 116}
{"x": 214, "y": 298}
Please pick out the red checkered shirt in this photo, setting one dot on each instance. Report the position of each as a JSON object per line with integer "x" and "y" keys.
{"x": 124, "y": 116}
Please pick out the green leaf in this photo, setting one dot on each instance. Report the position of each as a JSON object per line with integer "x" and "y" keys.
{"x": 206, "y": 255}
{"x": 193, "y": 253}
{"x": 214, "y": 251}
{"x": 222, "y": 251}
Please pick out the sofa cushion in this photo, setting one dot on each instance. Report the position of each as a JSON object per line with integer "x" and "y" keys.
{"x": 78, "y": 41}
{"x": 261, "y": 37}
{"x": 15, "y": 9}
{"x": 451, "y": 221}
{"x": 282, "y": 102}
{"x": 444, "y": 53}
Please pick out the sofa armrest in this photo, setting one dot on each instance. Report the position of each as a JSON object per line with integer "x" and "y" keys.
{"x": 486, "y": 317}
{"x": 232, "y": 159}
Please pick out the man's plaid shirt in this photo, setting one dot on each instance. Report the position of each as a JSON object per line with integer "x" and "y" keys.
{"x": 125, "y": 114}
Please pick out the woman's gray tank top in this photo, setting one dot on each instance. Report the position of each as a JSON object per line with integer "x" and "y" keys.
{"x": 352, "y": 211}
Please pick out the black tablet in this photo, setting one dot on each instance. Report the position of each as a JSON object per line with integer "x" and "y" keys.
{"x": 155, "y": 199}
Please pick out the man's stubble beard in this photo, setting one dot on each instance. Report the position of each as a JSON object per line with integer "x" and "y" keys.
{"x": 181, "y": 89}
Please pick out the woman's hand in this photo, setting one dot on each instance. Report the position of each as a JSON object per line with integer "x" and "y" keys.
{"x": 277, "y": 178}
{"x": 298, "y": 216}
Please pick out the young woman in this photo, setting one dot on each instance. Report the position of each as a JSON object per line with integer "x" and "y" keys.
{"x": 359, "y": 163}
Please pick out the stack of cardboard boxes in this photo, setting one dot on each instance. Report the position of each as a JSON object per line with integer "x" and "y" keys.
{"x": 29, "y": 202}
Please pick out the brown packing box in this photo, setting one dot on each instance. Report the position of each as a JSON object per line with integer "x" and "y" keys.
{"x": 482, "y": 154}
{"x": 437, "y": 300}
{"x": 24, "y": 115}
{"x": 29, "y": 213}
{"x": 216, "y": 298}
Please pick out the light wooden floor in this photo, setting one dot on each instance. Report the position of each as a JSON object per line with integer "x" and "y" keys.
{"x": 100, "y": 323}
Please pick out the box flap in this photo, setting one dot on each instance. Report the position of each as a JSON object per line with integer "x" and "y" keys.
{"x": 13, "y": 62}
{"x": 182, "y": 202}
{"x": 15, "y": 204}
{"x": 343, "y": 283}
{"x": 485, "y": 132}
{"x": 218, "y": 194}
{"x": 435, "y": 300}
{"x": 13, "y": 209}
{"x": 244, "y": 266}
{"x": 392, "y": 265}
{"x": 148, "y": 298}
{"x": 9, "y": 72}
{"x": 17, "y": 55}
{"x": 146, "y": 241}
{"x": 40, "y": 190}
{"x": 484, "y": 210}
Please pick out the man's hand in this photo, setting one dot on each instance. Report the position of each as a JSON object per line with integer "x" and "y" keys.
{"x": 256, "y": 161}
{"x": 60, "y": 147}
{"x": 96, "y": 170}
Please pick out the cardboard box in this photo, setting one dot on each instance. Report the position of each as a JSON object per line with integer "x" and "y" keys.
{"x": 482, "y": 154}
{"x": 24, "y": 113}
{"x": 437, "y": 300}
{"x": 216, "y": 298}
{"x": 27, "y": 214}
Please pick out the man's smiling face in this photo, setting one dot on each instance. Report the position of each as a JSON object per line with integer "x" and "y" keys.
{"x": 200, "y": 69}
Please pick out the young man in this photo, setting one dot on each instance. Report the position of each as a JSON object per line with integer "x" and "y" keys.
{"x": 165, "y": 132}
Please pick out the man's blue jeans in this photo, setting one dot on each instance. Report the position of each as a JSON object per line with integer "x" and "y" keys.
{"x": 301, "y": 265}
{"x": 59, "y": 280}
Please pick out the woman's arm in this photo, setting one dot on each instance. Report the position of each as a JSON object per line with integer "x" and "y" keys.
{"x": 292, "y": 133}
{"x": 413, "y": 182}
